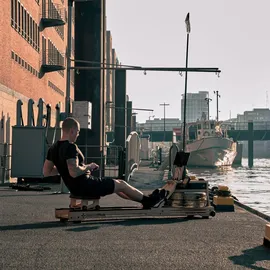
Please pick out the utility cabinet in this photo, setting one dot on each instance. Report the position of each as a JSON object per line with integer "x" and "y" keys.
{"x": 29, "y": 149}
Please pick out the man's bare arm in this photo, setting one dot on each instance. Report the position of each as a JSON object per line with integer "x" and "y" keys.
{"x": 49, "y": 169}
{"x": 75, "y": 169}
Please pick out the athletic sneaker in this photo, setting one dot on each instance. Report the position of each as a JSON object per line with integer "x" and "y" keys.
{"x": 156, "y": 197}
{"x": 155, "y": 193}
{"x": 159, "y": 192}
{"x": 163, "y": 197}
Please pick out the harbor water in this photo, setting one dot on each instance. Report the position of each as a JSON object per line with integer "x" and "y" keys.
{"x": 250, "y": 186}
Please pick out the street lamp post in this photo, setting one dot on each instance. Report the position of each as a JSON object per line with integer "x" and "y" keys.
{"x": 218, "y": 96}
{"x": 185, "y": 95}
{"x": 208, "y": 111}
{"x": 103, "y": 136}
{"x": 164, "y": 105}
{"x": 69, "y": 39}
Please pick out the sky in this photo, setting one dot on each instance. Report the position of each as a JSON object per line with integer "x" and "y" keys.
{"x": 231, "y": 35}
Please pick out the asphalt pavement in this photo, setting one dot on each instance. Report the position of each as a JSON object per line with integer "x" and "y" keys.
{"x": 31, "y": 238}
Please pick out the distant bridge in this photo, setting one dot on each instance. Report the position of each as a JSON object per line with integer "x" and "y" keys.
{"x": 240, "y": 132}
{"x": 243, "y": 135}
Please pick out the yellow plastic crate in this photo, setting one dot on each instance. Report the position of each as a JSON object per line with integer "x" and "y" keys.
{"x": 218, "y": 200}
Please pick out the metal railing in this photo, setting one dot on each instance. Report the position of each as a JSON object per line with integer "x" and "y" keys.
{"x": 52, "y": 57}
{"x": 54, "y": 11}
{"x": 113, "y": 160}
{"x": 111, "y": 157}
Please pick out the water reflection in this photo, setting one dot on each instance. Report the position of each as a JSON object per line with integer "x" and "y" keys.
{"x": 250, "y": 186}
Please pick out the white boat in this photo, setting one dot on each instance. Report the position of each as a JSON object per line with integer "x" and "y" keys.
{"x": 209, "y": 145}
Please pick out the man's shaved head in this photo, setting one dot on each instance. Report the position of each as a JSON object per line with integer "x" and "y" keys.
{"x": 70, "y": 123}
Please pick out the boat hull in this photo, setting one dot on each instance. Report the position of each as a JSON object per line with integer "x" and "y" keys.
{"x": 211, "y": 152}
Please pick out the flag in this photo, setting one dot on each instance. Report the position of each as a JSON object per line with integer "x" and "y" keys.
{"x": 187, "y": 23}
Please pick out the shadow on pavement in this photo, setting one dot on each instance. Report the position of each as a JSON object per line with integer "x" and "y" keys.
{"x": 30, "y": 226}
{"x": 92, "y": 224}
{"x": 251, "y": 256}
{"x": 128, "y": 222}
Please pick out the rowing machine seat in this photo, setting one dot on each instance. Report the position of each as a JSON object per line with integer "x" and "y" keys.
{"x": 84, "y": 202}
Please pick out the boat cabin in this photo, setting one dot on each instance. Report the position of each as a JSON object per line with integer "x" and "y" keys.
{"x": 201, "y": 129}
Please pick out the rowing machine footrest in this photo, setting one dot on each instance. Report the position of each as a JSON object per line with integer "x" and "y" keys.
{"x": 84, "y": 202}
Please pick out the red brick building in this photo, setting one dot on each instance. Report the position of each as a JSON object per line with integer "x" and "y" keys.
{"x": 33, "y": 38}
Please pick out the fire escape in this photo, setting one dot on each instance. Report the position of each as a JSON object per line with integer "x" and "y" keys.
{"x": 53, "y": 15}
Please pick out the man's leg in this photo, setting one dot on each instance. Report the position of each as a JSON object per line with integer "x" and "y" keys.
{"x": 134, "y": 194}
{"x": 106, "y": 185}
{"x": 123, "y": 196}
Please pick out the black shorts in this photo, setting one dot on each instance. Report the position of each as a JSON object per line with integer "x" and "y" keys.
{"x": 93, "y": 186}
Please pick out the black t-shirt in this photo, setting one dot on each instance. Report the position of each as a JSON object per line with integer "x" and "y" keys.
{"x": 59, "y": 153}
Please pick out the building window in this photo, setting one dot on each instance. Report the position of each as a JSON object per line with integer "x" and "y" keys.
{"x": 44, "y": 50}
{"x": 24, "y": 64}
{"x": 31, "y": 30}
{"x": 33, "y": 33}
{"x": 19, "y": 17}
{"x": 55, "y": 57}
{"x": 12, "y": 12}
{"x": 55, "y": 88}
{"x": 24, "y": 24}
{"x": 38, "y": 37}
{"x": 23, "y": 21}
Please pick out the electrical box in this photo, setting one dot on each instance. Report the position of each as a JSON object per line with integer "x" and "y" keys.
{"x": 29, "y": 150}
{"x": 82, "y": 112}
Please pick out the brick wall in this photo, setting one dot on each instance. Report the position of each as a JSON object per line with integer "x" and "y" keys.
{"x": 21, "y": 58}
{"x": 21, "y": 61}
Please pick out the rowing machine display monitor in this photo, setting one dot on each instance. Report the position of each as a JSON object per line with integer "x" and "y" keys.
{"x": 181, "y": 159}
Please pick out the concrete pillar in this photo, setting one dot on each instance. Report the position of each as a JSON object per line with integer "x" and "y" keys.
{"x": 238, "y": 159}
{"x": 120, "y": 108}
{"x": 89, "y": 83}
